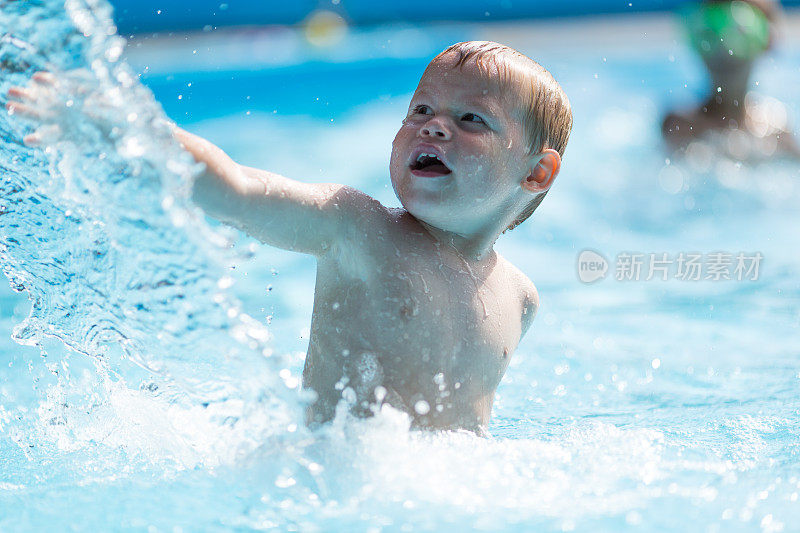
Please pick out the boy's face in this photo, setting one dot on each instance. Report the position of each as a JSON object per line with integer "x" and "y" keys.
{"x": 460, "y": 155}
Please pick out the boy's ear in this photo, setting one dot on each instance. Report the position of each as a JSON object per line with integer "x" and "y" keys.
{"x": 543, "y": 173}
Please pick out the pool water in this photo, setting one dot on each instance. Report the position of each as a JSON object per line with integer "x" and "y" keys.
{"x": 642, "y": 405}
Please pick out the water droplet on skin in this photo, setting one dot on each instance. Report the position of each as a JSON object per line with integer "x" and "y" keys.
{"x": 380, "y": 393}
{"x": 424, "y": 285}
{"x": 349, "y": 396}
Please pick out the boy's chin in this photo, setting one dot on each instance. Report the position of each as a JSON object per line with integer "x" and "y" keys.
{"x": 430, "y": 206}
{"x": 432, "y": 215}
{"x": 416, "y": 209}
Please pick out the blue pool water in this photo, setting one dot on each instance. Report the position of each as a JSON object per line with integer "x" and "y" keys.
{"x": 154, "y": 381}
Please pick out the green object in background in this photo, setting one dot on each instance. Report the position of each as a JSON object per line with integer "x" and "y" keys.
{"x": 735, "y": 28}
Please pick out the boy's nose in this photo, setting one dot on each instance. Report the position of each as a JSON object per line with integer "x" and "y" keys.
{"x": 435, "y": 128}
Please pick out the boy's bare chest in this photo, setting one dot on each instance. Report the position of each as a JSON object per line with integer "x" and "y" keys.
{"x": 437, "y": 297}
{"x": 433, "y": 312}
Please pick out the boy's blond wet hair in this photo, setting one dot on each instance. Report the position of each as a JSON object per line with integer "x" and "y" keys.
{"x": 546, "y": 114}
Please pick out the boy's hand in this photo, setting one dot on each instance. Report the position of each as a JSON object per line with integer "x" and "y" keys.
{"x": 52, "y": 104}
{"x": 36, "y": 102}
{"x": 39, "y": 103}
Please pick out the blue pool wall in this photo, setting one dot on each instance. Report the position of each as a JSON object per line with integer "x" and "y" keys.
{"x": 137, "y": 16}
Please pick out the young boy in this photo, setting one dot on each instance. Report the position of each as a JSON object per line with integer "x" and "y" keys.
{"x": 412, "y": 306}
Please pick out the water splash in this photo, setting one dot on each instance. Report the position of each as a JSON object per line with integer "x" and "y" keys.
{"x": 595, "y": 439}
{"x": 97, "y": 228}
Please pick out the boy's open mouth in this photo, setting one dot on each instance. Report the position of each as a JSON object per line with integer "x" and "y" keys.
{"x": 428, "y": 164}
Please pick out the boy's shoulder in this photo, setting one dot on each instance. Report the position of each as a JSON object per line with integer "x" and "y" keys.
{"x": 529, "y": 295}
{"x": 363, "y": 211}
{"x": 358, "y": 202}
{"x": 362, "y": 220}
{"x": 357, "y": 212}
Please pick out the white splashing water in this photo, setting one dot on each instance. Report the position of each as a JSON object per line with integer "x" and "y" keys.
{"x": 97, "y": 229}
{"x": 173, "y": 410}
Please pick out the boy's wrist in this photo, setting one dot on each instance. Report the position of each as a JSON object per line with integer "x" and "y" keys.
{"x": 165, "y": 122}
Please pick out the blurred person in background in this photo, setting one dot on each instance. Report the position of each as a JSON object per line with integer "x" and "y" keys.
{"x": 730, "y": 36}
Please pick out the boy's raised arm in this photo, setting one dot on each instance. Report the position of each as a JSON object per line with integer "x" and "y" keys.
{"x": 278, "y": 211}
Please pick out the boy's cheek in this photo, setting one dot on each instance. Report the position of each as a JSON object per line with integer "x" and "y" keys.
{"x": 399, "y": 141}
{"x": 395, "y": 161}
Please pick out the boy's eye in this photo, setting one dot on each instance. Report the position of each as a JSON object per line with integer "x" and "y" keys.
{"x": 472, "y": 117}
{"x": 422, "y": 109}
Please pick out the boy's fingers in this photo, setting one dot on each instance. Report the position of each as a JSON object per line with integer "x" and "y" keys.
{"x": 44, "y": 77}
{"x": 45, "y": 134}
{"x": 21, "y": 93}
{"x": 32, "y": 139}
{"x": 17, "y": 108}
